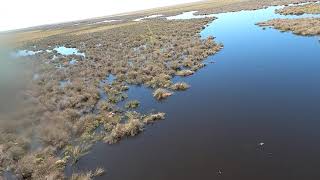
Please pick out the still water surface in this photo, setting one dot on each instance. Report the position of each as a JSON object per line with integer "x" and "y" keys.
{"x": 255, "y": 114}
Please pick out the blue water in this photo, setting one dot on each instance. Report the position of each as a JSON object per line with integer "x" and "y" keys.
{"x": 61, "y": 50}
{"x": 226, "y": 27}
{"x": 254, "y": 114}
{"x": 68, "y": 51}
{"x": 111, "y": 78}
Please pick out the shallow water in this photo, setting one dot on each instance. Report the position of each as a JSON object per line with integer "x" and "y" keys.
{"x": 252, "y": 115}
{"x": 61, "y": 50}
{"x": 68, "y": 51}
{"x": 108, "y": 80}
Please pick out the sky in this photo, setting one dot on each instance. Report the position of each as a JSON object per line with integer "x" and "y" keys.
{"x": 16, "y": 14}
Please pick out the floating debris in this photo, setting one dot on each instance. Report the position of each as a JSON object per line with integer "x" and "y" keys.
{"x": 219, "y": 172}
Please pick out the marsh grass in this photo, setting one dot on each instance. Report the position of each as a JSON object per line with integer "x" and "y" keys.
{"x": 131, "y": 128}
{"x": 180, "y": 86}
{"x": 88, "y": 175}
{"x": 66, "y": 118}
{"x": 146, "y": 53}
{"x": 81, "y": 176}
{"x": 132, "y": 104}
{"x": 312, "y": 8}
{"x": 115, "y": 98}
{"x": 154, "y": 117}
{"x": 301, "y": 26}
{"x": 77, "y": 151}
{"x": 184, "y": 72}
{"x": 161, "y": 93}
{"x": 99, "y": 172}
{"x": 33, "y": 166}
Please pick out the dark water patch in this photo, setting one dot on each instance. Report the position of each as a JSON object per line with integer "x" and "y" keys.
{"x": 143, "y": 95}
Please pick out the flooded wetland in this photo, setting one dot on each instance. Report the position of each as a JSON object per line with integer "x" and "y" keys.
{"x": 251, "y": 115}
{"x": 189, "y": 95}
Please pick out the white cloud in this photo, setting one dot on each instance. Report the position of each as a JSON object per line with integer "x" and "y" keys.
{"x": 16, "y": 14}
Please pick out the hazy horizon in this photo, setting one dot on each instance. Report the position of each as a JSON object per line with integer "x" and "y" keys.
{"x": 24, "y": 14}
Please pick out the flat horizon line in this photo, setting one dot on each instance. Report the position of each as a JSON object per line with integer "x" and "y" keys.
{"x": 97, "y": 17}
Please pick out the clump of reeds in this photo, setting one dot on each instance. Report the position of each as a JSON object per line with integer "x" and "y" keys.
{"x": 180, "y": 86}
{"x": 81, "y": 176}
{"x": 76, "y": 152}
{"x": 184, "y": 72}
{"x": 117, "y": 97}
{"x": 39, "y": 165}
{"x": 131, "y": 128}
{"x": 99, "y": 172}
{"x": 154, "y": 117}
{"x": 300, "y": 26}
{"x": 161, "y": 93}
{"x": 88, "y": 175}
{"x": 132, "y": 104}
{"x": 312, "y": 8}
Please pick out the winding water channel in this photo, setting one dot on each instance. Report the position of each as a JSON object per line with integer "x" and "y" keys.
{"x": 254, "y": 114}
